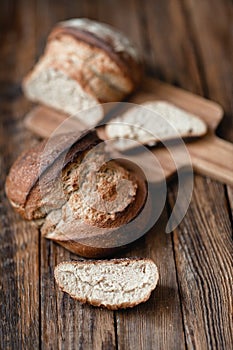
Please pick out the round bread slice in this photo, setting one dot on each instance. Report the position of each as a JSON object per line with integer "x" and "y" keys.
{"x": 114, "y": 284}
{"x": 81, "y": 199}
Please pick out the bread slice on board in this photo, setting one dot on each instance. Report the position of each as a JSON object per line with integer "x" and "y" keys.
{"x": 152, "y": 122}
{"x": 114, "y": 284}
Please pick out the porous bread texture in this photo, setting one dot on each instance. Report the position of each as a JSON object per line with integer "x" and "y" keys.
{"x": 95, "y": 196}
{"x": 88, "y": 206}
{"x": 73, "y": 75}
{"x": 154, "y": 121}
{"x": 100, "y": 198}
{"x": 55, "y": 89}
{"x": 114, "y": 284}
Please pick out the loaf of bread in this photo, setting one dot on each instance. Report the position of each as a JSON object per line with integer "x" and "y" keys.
{"x": 114, "y": 284}
{"x": 152, "y": 122}
{"x": 79, "y": 196}
{"x": 84, "y": 63}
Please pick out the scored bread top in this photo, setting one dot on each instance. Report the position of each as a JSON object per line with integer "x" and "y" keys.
{"x": 100, "y": 35}
{"x": 105, "y": 33}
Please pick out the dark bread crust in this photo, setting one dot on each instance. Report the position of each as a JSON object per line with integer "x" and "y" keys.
{"x": 88, "y": 251}
{"x": 96, "y": 262}
{"x": 44, "y": 164}
{"x": 128, "y": 65}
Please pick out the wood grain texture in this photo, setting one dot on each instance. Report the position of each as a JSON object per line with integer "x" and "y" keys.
{"x": 203, "y": 253}
{"x": 158, "y": 323}
{"x": 65, "y": 323}
{"x": 203, "y": 319}
{"x": 186, "y": 43}
{"x": 171, "y": 52}
{"x": 211, "y": 32}
{"x": 19, "y": 249}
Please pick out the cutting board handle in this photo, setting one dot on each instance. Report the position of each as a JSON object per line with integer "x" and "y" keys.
{"x": 213, "y": 157}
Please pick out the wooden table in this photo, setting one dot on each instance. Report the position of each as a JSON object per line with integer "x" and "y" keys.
{"x": 185, "y": 43}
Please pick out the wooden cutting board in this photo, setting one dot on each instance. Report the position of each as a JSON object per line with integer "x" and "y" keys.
{"x": 209, "y": 155}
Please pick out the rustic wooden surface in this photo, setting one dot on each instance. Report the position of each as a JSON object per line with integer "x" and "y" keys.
{"x": 186, "y": 43}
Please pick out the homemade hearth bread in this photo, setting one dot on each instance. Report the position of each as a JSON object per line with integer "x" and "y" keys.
{"x": 114, "y": 284}
{"x": 74, "y": 192}
{"x": 85, "y": 63}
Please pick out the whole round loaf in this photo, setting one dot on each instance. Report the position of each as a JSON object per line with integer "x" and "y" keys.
{"x": 85, "y": 63}
{"x": 45, "y": 184}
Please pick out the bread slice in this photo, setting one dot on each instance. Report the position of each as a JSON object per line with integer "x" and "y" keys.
{"x": 152, "y": 122}
{"x": 114, "y": 284}
{"x": 85, "y": 63}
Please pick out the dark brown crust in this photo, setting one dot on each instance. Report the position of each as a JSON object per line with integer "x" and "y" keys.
{"x": 43, "y": 163}
{"x": 126, "y": 63}
{"x": 89, "y": 243}
{"x": 88, "y": 251}
{"x": 97, "y": 303}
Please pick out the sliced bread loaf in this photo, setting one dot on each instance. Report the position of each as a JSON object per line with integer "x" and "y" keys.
{"x": 114, "y": 284}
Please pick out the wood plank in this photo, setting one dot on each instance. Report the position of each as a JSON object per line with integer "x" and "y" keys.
{"x": 195, "y": 279}
{"x": 19, "y": 270}
{"x": 213, "y": 44}
{"x": 65, "y": 322}
{"x": 213, "y": 40}
{"x": 19, "y": 253}
{"x": 157, "y": 324}
{"x": 204, "y": 251}
{"x": 171, "y": 52}
{"x": 211, "y": 32}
